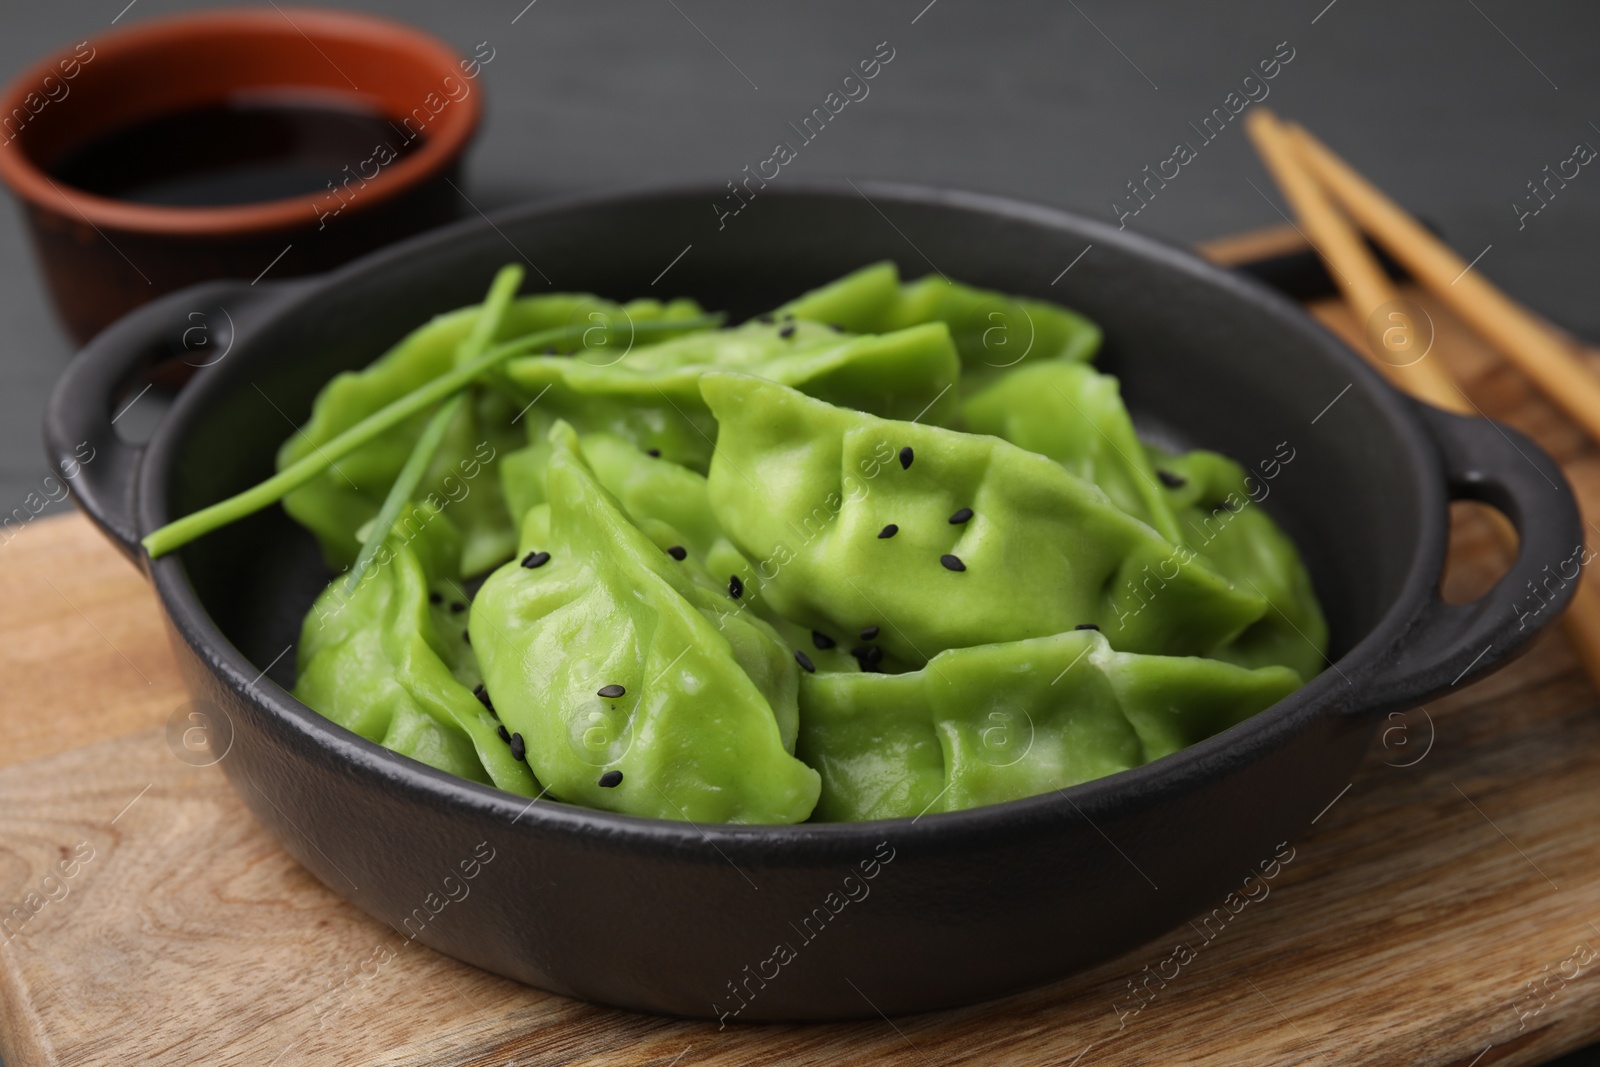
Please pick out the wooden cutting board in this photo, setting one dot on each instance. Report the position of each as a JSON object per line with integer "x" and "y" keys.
{"x": 1445, "y": 909}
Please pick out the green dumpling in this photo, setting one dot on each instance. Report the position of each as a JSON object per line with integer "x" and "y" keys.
{"x": 648, "y": 487}
{"x": 993, "y": 331}
{"x": 462, "y": 476}
{"x": 658, "y": 491}
{"x": 522, "y": 474}
{"x": 1222, "y": 520}
{"x": 945, "y": 539}
{"x": 1075, "y": 415}
{"x": 390, "y": 660}
{"x": 638, "y": 684}
{"x": 651, "y": 396}
{"x": 1000, "y": 722}
{"x": 671, "y": 504}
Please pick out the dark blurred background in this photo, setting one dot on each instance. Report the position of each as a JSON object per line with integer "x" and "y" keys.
{"x": 1450, "y": 105}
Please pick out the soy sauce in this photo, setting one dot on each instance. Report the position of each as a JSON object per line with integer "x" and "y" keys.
{"x": 242, "y": 152}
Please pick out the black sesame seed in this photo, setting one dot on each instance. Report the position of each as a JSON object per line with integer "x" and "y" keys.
{"x": 805, "y": 661}
{"x": 869, "y": 656}
{"x": 610, "y": 691}
{"x": 678, "y": 552}
{"x": 435, "y": 598}
{"x": 888, "y": 532}
{"x": 835, "y": 327}
{"x": 868, "y": 633}
{"x": 505, "y": 735}
{"x": 735, "y": 587}
{"x": 768, "y": 319}
{"x": 535, "y": 559}
{"x": 1086, "y": 626}
{"x": 654, "y": 453}
{"x": 906, "y": 456}
{"x": 1170, "y": 480}
{"x": 483, "y": 696}
{"x": 822, "y": 640}
{"x": 610, "y": 779}
{"x": 961, "y": 516}
{"x": 786, "y": 332}
{"x": 519, "y": 748}
{"x": 952, "y": 563}
{"x": 457, "y": 608}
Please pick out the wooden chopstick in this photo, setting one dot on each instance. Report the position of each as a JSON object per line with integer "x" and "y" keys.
{"x": 1534, "y": 346}
{"x": 1366, "y": 288}
{"x": 1527, "y": 341}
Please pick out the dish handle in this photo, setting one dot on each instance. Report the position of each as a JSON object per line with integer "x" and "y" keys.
{"x": 101, "y": 469}
{"x": 1447, "y": 645}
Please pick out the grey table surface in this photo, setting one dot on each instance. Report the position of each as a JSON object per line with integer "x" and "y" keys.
{"x": 1451, "y": 105}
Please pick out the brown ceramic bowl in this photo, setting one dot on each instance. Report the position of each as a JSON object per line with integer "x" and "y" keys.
{"x": 101, "y": 257}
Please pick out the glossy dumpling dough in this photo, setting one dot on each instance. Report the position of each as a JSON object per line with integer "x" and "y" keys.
{"x": 808, "y": 492}
{"x": 650, "y": 396}
{"x": 993, "y": 331}
{"x": 1075, "y": 415}
{"x": 1220, "y": 512}
{"x": 704, "y": 724}
{"x": 672, "y": 505}
{"x": 390, "y": 660}
{"x": 1000, "y": 722}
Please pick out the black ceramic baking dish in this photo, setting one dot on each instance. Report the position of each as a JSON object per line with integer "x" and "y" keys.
{"x": 688, "y": 919}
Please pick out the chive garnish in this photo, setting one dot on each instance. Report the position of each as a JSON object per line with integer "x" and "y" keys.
{"x": 484, "y": 327}
{"x": 404, "y": 486}
{"x": 180, "y": 532}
